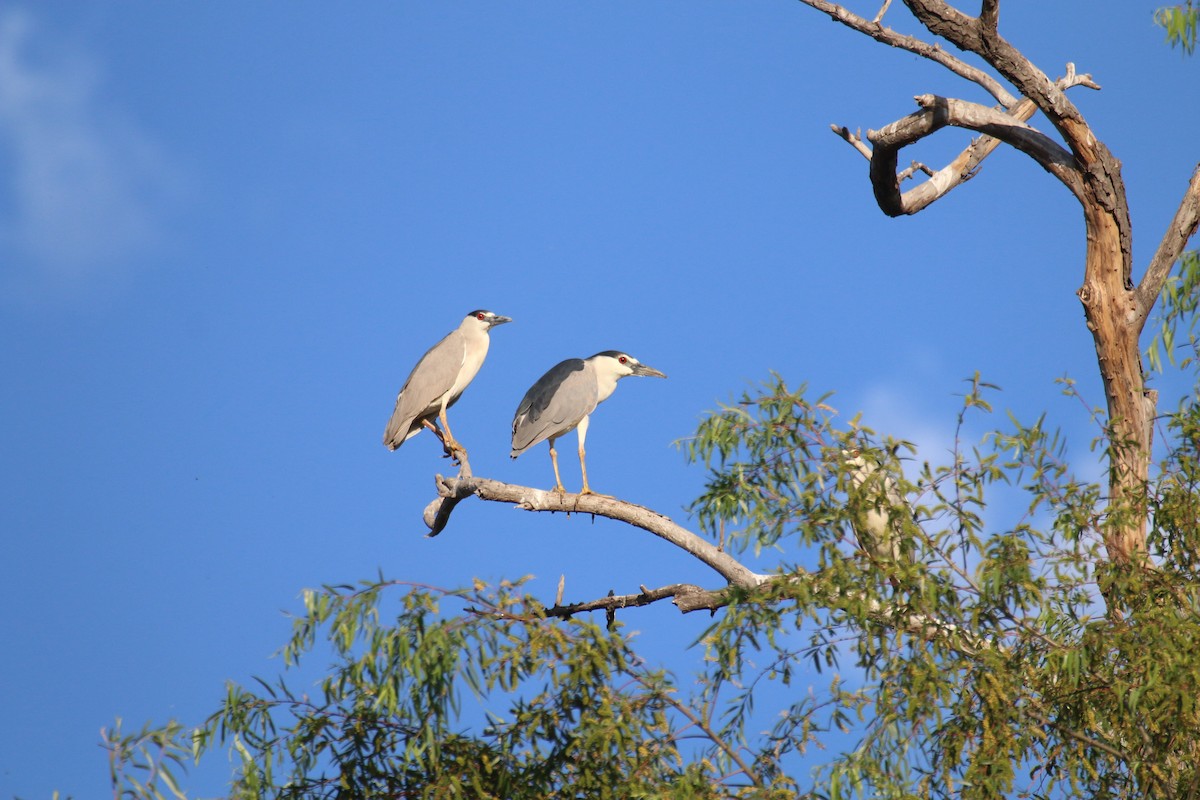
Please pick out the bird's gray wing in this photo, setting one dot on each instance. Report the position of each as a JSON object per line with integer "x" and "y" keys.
{"x": 554, "y": 404}
{"x": 431, "y": 378}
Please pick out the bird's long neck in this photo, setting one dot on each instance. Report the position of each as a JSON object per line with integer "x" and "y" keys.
{"x": 860, "y": 471}
{"x": 606, "y": 384}
{"x": 477, "y": 342}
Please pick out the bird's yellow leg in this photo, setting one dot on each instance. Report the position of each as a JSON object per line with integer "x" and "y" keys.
{"x": 441, "y": 436}
{"x": 558, "y": 485}
{"x": 581, "y": 432}
{"x": 448, "y": 441}
{"x": 583, "y": 468}
{"x": 436, "y": 431}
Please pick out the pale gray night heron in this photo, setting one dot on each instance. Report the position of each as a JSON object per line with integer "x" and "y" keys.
{"x": 880, "y": 515}
{"x": 438, "y": 380}
{"x": 562, "y": 399}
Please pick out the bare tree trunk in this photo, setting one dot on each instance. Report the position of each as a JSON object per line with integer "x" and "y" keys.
{"x": 1110, "y": 305}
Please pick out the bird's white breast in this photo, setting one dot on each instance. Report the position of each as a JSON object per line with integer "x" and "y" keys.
{"x": 474, "y": 353}
{"x": 606, "y": 384}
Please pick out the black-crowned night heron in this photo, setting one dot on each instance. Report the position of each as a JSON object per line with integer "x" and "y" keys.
{"x": 438, "y": 380}
{"x": 879, "y": 513}
{"x": 562, "y": 399}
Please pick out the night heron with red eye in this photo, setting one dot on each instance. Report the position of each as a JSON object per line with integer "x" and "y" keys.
{"x": 438, "y": 380}
{"x": 564, "y": 397}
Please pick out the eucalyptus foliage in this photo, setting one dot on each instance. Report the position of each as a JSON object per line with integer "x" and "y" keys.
{"x": 1180, "y": 299}
{"x": 1180, "y": 23}
{"x": 468, "y": 693}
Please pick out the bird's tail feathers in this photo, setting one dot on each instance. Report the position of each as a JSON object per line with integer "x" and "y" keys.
{"x": 392, "y": 437}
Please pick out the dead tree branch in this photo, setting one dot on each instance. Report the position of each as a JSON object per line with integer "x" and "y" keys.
{"x": 451, "y": 491}
{"x": 686, "y": 597}
{"x": 1101, "y": 170}
{"x": 939, "y": 112}
{"x": 853, "y": 139}
{"x": 1181, "y": 229}
{"x": 980, "y": 35}
{"x": 891, "y": 38}
{"x": 963, "y": 167}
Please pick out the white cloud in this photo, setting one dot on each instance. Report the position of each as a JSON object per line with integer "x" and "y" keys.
{"x": 82, "y": 187}
{"x": 890, "y": 412}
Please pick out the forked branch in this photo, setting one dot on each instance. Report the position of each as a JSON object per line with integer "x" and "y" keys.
{"x": 966, "y": 164}
{"x": 875, "y": 29}
{"x": 939, "y": 112}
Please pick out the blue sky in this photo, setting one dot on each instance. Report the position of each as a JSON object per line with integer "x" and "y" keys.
{"x": 228, "y": 230}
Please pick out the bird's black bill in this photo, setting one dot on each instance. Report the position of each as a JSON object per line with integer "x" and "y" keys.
{"x": 647, "y": 372}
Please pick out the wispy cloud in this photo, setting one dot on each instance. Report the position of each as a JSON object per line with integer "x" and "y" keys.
{"x": 890, "y": 412}
{"x": 81, "y": 186}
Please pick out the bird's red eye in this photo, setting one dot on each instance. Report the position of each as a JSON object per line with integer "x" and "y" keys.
{"x": 621, "y": 359}
{"x": 480, "y": 316}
